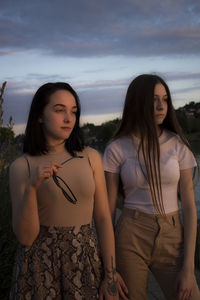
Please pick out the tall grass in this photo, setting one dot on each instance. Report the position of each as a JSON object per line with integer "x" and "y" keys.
{"x": 9, "y": 150}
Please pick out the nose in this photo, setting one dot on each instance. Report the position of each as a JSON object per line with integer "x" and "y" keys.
{"x": 67, "y": 117}
{"x": 159, "y": 105}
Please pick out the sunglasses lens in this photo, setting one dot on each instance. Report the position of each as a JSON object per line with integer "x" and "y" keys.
{"x": 63, "y": 186}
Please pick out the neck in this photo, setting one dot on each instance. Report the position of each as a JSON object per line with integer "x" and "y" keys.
{"x": 56, "y": 147}
{"x": 158, "y": 130}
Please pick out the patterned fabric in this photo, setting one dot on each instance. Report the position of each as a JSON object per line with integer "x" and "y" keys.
{"x": 62, "y": 263}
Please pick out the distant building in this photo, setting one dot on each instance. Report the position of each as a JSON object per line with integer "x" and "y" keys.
{"x": 189, "y": 114}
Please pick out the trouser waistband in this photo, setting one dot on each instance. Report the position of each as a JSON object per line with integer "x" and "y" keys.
{"x": 134, "y": 213}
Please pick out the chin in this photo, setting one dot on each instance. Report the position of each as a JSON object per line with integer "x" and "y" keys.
{"x": 159, "y": 121}
{"x": 66, "y": 136}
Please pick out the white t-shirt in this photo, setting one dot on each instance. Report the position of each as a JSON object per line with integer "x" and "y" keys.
{"x": 121, "y": 157}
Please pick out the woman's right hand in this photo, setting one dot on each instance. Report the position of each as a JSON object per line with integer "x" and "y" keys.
{"x": 113, "y": 290}
{"x": 122, "y": 288}
{"x": 42, "y": 172}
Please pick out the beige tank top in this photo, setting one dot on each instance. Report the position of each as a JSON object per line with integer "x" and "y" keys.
{"x": 66, "y": 199}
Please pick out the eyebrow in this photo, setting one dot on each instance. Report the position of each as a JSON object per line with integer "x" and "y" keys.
{"x": 159, "y": 95}
{"x": 75, "y": 107}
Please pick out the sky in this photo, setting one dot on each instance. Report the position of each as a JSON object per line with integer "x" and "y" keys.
{"x": 98, "y": 47}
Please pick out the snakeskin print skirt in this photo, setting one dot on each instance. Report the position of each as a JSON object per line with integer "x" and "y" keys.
{"x": 62, "y": 263}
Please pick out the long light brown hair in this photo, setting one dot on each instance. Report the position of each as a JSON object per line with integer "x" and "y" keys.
{"x": 138, "y": 117}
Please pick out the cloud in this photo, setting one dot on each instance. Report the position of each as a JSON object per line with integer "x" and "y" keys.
{"x": 92, "y": 102}
{"x": 96, "y": 28}
{"x": 105, "y": 101}
{"x": 32, "y": 81}
{"x": 17, "y": 106}
{"x": 101, "y": 97}
{"x": 182, "y": 75}
{"x": 187, "y": 90}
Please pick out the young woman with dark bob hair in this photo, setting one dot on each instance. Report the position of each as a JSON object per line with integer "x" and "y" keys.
{"x": 152, "y": 159}
{"x": 57, "y": 186}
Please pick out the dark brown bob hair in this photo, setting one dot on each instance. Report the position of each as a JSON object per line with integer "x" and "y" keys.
{"x": 35, "y": 141}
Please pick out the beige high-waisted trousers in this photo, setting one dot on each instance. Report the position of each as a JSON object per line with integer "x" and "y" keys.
{"x": 145, "y": 241}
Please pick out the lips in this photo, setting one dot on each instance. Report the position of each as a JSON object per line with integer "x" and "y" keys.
{"x": 66, "y": 128}
{"x": 160, "y": 116}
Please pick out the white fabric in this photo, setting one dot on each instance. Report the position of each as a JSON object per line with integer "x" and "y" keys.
{"x": 121, "y": 157}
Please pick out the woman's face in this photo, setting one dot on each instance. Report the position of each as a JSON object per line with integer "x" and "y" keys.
{"x": 160, "y": 103}
{"x": 59, "y": 116}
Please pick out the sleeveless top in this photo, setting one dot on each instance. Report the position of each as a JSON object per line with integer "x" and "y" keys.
{"x": 74, "y": 178}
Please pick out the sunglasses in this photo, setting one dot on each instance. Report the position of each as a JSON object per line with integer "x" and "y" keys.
{"x": 67, "y": 192}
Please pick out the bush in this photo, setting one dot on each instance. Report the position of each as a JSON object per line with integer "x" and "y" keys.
{"x": 9, "y": 150}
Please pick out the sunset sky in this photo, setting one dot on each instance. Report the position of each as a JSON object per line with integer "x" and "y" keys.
{"x": 98, "y": 47}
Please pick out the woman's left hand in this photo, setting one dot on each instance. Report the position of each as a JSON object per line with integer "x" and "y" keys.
{"x": 184, "y": 285}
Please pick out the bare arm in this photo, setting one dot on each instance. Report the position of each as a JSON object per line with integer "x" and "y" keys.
{"x": 112, "y": 181}
{"x": 23, "y": 189}
{"x": 189, "y": 217}
{"x": 104, "y": 227}
{"x": 190, "y": 226}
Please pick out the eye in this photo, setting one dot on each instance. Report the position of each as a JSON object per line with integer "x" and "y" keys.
{"x": 59, "y": 110}
{"x": 74, "y": 112}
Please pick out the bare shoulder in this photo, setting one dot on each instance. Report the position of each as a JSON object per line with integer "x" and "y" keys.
{"x": 95, "y": 159}
{"x": 92, "y": 153}
{"x": 18, "y": 166}
{"x": 18, "y": 163}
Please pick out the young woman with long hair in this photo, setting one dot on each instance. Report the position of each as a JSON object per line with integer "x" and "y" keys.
{"x": 57, "y": 186}
{"x": 153, "y": 160}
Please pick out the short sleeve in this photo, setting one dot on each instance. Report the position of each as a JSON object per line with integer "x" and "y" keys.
{"x": 186, "y": 158}
{"x": 112, "y": 158}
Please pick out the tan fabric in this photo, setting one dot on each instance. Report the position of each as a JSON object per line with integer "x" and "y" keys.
{"x": 54, "y": 208}
{"x": 145, "y": 241}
